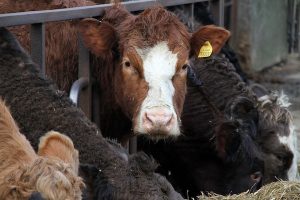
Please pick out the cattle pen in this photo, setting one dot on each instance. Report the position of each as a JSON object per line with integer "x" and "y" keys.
{"x": 81, "y": 91}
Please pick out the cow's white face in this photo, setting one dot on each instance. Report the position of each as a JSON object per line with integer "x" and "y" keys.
{"x": 157, "y": 113}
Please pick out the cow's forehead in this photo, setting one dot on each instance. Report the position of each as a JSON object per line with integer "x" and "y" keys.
{"x": 148, "y": 33}
{"x": 158, "y": 60}
{"x": 144, "y": 48}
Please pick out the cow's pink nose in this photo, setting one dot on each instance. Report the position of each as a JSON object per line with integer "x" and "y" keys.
{"x": 158, "y": 118}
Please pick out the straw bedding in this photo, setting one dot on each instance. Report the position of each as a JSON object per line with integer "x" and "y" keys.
{"x": 281, "y": 190}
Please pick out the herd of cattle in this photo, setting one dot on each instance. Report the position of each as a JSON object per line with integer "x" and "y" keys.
{"x": 201, "y": 126}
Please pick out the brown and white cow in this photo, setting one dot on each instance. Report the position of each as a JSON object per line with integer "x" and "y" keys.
{"x": 145, "y": 59}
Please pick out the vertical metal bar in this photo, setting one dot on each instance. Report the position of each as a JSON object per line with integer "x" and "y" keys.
{"x": 217, "y": 8}
{"x": 192, "y": 15}
{"x": 133, "y": 145}
{"x": 85, "y": 102}
{"x": 234, "y": 12}
{"x": 298, "y": 23}
{"x": 221, "y": 12}
{"x": 37, "y": 38}
{"x": 293, "y": 7}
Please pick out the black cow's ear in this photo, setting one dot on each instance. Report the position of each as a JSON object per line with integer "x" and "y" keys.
{"x": 242, "y": 108}
{"x": 228, "y": 139}
{"x": 88, "y": 171}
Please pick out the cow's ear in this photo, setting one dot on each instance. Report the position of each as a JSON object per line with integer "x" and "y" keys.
{"x": 57, "y": 145}
{"x": 99, "y": 37}
{"x": 208, "y": 40}
{"x": 228, "y": 139}
{"x": 243, "y": 108}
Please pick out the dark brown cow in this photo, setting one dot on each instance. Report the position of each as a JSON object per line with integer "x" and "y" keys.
{"x": 144, "y": 60}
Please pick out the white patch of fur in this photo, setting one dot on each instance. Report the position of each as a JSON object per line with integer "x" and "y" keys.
{"x": 264, "y": 99}
{"x": 282, "y": 100}
{"x": 159, "y": 65}
{"x": 291, "y": 142}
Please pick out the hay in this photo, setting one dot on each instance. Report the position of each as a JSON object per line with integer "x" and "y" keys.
{"x": 281, "y": 190}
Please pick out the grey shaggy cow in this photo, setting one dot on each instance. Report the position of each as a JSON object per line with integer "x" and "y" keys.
{"x": 38, "y": 106}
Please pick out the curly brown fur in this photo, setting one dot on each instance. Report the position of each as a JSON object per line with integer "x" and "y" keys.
{"x": 23, "y": 172}
{"x": 54, "y": 144}
{"x": 54, "y": 179}
{"x": 221, "y": 83}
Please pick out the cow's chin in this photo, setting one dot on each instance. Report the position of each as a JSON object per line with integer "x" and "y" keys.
{"x": 158, "y": 133}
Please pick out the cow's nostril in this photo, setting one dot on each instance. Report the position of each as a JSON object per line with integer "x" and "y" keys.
{"x": 170, "y": 120}
{"x": 149, "y": 117}
{"x": 257, "y": 176}
{"x": 158, "y": 117}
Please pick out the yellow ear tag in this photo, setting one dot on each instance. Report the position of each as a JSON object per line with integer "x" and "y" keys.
{"x": 205, "y": 50}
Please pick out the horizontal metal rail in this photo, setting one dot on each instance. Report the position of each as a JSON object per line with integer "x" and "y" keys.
{"x": 34, "y": 17}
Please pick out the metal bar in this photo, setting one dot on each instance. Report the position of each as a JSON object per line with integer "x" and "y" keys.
{"x": 178, "y": 2}
{"x": 293, "y": 14}
{"x": 217, "y": 8}
{"x": 298, "y": 22}
{"x": 233, "y": 25}
{"x": 193, "y": 15}
{"x": 133, "y": 145}
{"x": 33, "y": 17}
{"x": 221, "y": 12}
{"x": 76, "y": 89}
{"x": 85, "y": 100}
{"x": 37, "y": 38}
{"x": 228, "y": 4}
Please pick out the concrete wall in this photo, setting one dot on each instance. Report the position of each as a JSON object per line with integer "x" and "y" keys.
{"x": 260, "y": 34}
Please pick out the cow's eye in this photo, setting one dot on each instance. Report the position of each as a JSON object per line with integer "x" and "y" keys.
{"x": 127, "y": 63}
{"x": 185, "y": 66}
{"x": 129, "y": 67}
